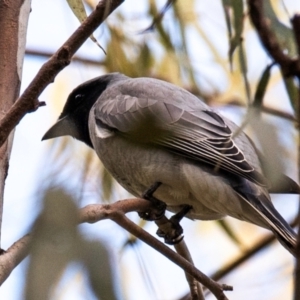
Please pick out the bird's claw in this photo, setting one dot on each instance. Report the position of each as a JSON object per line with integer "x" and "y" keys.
{"x": 171, "y": 229}
{"x": 173, "y": 235}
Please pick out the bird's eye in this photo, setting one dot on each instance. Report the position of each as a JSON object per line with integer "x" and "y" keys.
{"x": 78, "y": 96}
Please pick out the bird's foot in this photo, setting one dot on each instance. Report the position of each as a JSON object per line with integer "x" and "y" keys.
{"x": 181, "y": 214}
{"x": 171, "y": 230}
{"x": 159, "y": 207}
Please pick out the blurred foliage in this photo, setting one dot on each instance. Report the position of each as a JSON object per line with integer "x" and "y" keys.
{"x": 56, "y": 243}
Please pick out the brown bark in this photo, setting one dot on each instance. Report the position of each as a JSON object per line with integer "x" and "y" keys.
{"x": 11, "y": 57}
{"x": 289, "y": 66}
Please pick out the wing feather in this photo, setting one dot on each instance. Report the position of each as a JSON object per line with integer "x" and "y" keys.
{"x": 198, "y": 134}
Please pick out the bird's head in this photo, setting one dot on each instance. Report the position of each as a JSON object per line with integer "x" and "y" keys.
{"x": 74, "y": 118}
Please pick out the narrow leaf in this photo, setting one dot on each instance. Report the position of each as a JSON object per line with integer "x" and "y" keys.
{"x": 79, "y": 11}
{"x": 238, "y": 13}
{"x": 292, "y": 91}
{"x": 226, "y": 7}
{"x": 262, "y": 86}
{"x": 244, "y": 70}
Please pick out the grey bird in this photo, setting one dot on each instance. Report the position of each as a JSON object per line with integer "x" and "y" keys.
{"x": 146, "y": 130}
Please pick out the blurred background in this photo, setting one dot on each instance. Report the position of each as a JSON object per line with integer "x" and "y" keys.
{"x": 190, "y": 48}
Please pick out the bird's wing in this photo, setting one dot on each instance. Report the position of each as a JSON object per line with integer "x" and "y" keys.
{"x": 198, "y": 134}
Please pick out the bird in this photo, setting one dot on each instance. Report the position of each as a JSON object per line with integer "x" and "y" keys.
{"x": 147, "y": 131}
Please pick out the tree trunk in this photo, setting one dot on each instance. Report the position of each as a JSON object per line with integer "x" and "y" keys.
{"x": 14, "y": 16}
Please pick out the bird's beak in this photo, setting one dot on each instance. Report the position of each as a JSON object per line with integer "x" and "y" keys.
{"x": 62, "y": 127}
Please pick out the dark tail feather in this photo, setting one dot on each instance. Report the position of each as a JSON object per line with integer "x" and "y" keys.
{"x": 281, "y": 229}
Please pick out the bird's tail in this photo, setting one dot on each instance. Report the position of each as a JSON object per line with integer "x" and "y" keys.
{"x": 273, "y": 220}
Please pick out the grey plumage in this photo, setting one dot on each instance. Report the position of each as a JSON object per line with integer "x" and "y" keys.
{"x": 146, "y": 130}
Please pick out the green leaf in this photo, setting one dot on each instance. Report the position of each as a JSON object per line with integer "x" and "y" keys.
{"x": 262, "y": 86}
{"x": 244, "y": 70}
{"x": 238, "y": 23}
{"x": 292, "y": 91}
{"x": 79, "y": 11}
{"x": 226, "y": 7}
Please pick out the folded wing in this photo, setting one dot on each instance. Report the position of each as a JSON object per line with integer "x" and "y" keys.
{"x": 197, "y": 134}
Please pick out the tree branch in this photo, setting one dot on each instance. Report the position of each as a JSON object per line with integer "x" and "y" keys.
{"x": 169, "y": 230}
{"x": 196, "y": 291}
{"x": 116, "y": 212}
{"x": 267, "y": 37}
{"x": 13, "y": 256}
{"x": 267, "y": 110}
{"x": 48, "y": 54}
{"x": 60, "y": 59}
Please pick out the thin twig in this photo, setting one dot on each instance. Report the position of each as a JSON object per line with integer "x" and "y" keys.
{"x": 13, "y": 256}
{"x": 264, "y": 109}
{"x": 166, "y": 227}
{"x": 278, "y": 113}
{"x": 47, "y": 73}
{"x": 79, "y": 59}
{"x": 195, "y": 287}
{"x": 262, "y": 244}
